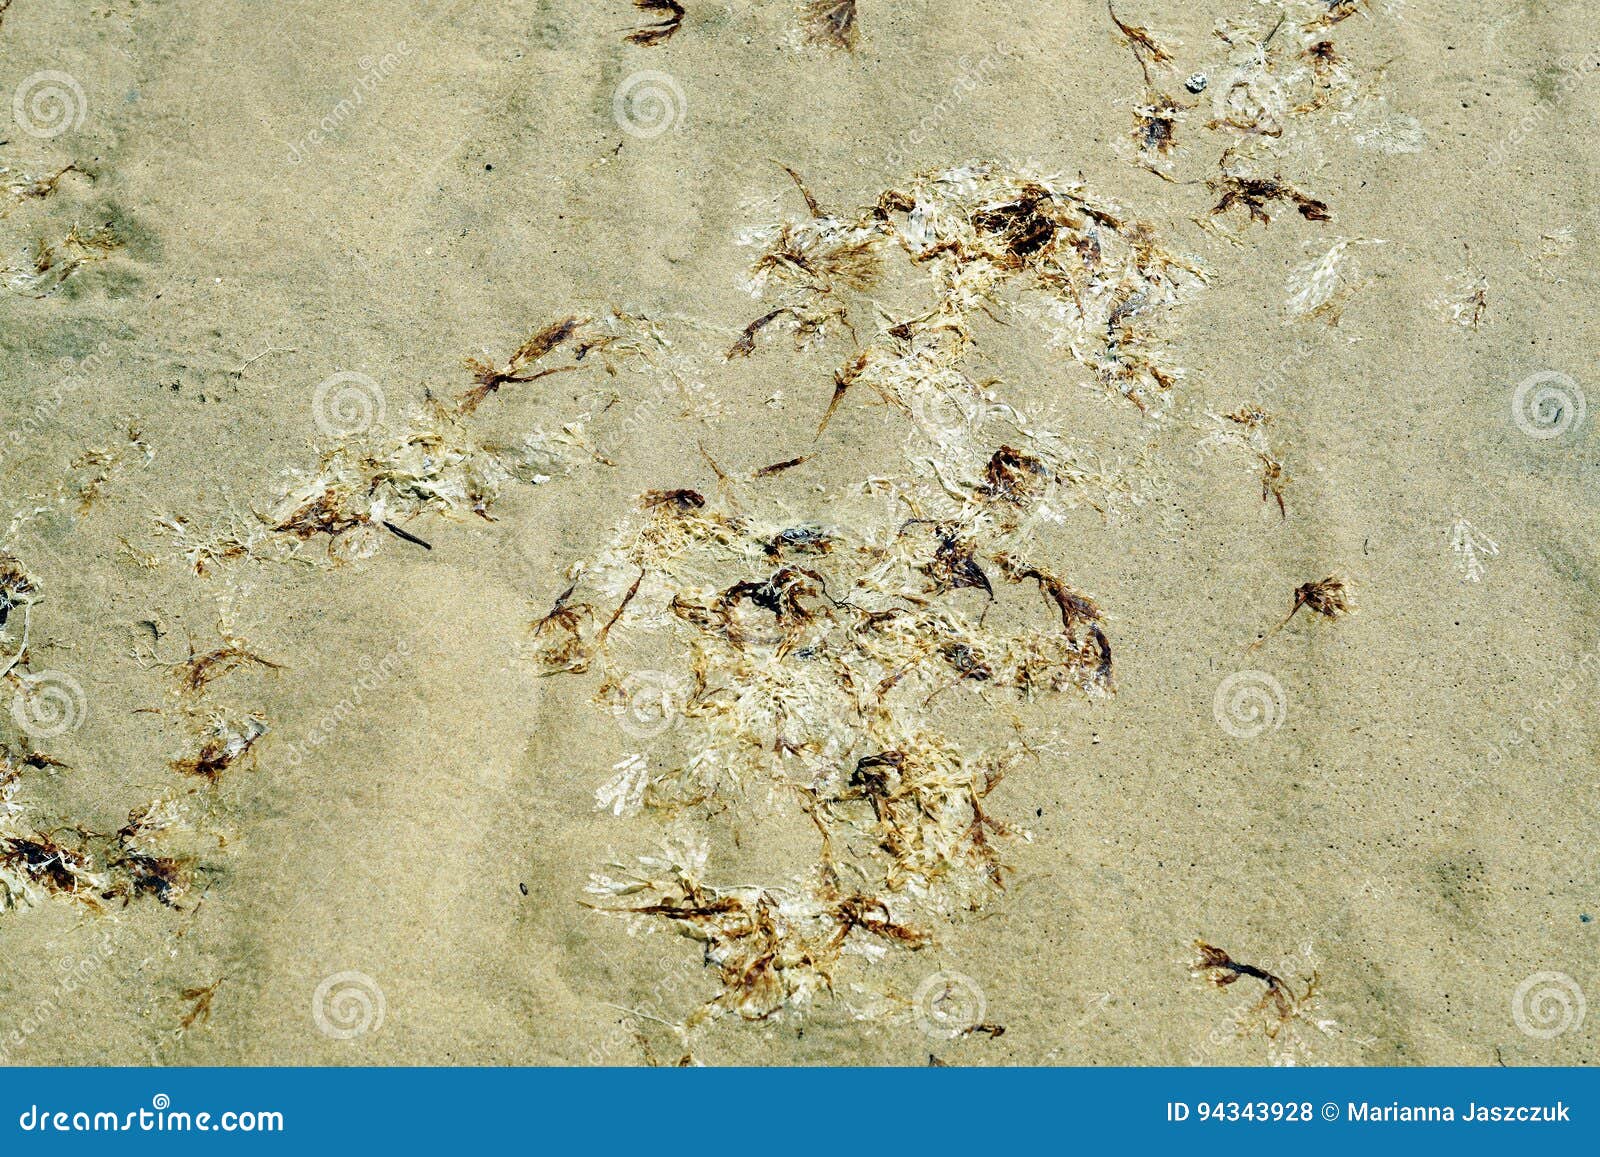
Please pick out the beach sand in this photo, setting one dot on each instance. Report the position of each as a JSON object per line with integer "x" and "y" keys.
{"x": 1410, "y": 814}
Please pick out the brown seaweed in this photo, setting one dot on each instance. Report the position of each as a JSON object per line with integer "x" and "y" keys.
{"x": 1328, "y": 597}
{"x": 831, "y": 23}
{"x": 196, "y": 673}
{"x": 1279, "y": 1004}
{"x": 663, "y": 30}
{"x": 517, "y": 367}
{"x": 1256, "y": 194}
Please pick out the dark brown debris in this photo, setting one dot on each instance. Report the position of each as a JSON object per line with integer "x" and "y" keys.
{"x": 780, "y": 467}
{"x": 746, "y": 343}
{"x": 672, "y": 14}
{"x": 831, "y": 23}
{"x": 201, "y": 670}
{"x": 518, "y": 367}
{"x": 1328, "y": 597}
{"x": 1255, "y": 194}
{"x": 1279, "y": 1004}
{"x": 1014, "y": 476}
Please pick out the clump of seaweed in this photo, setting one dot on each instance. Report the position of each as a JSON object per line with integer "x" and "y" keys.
{"x": 671, "y": 13}
{"x": 983, "y": 237}
{"x": 830, "y": 23}
{"x": 50, "y": 263}
{"x": 24, "y": 187}
{"x": 1328, "y": 597}
{"x": 37, "y": 861}
{"x": 1257, "y": 194}
{"x": 225, "y": 743}
{"x": 200, "y": 999}
{"x": 196, "y": 673}
{"x": 1279, "y": 1005}
{"x": 519, "y": 366}
{"x": 142, "y": 863}
{"x": 371, "y": 483}
{"x": 813, "y": 650}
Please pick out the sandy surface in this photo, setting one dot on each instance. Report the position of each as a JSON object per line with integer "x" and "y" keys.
{"x": 1416, "y": 823}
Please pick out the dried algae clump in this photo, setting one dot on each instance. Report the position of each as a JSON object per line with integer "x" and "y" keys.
{"x": 1279, "y": 1005}
{"x": 520, "y": 366}
{"x": 671, "y": 15}
{"x": 830, "y": 23}
{"x": 367, "y": 484}
{"x": 1329, "y": 597}
{"x": 813, "y": 650}
{"x": 983, "y": 238}
{"x": 48, "y": 264}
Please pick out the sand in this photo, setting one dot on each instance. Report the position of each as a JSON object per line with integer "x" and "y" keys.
{"x": 1414, "y": 823}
